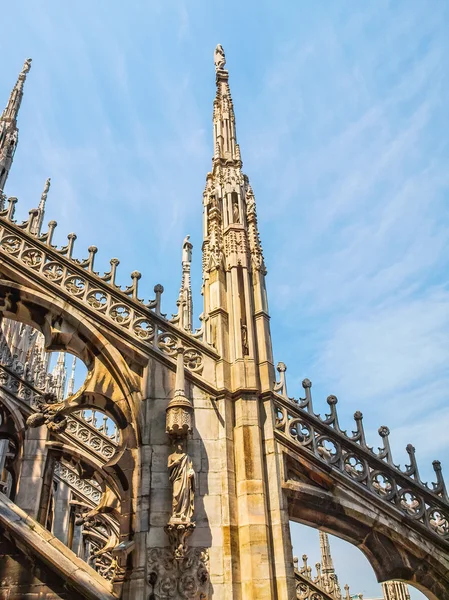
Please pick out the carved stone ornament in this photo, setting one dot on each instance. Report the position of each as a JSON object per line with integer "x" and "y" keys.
{"x": 178, "y": 579}
{"x": 179, "y": 424}
{"x": 49, "y": 413}
{"x": 219, "y": 58}
{"x": 179, "y": 410}
{"x": 179, "y": 416}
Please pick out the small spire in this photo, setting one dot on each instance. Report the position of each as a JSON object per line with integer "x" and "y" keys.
{"x": 71, "y": 384}
{"x": 12, "y": 109}
{"x": 59, "y": 375}
{"x": 41, "y": 209}
{"x": 326, "y": 557}
{"x": 185, "y": 302}
{"x": 225, "y": 139}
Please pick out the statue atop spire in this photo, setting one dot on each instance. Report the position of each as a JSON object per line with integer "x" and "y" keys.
{"x": 12, "y": 109}
{"x": 8, "y": 125}
{"x": 219, "y": 58}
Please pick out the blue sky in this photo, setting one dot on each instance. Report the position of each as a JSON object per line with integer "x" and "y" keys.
{"x": 342, "y": 121}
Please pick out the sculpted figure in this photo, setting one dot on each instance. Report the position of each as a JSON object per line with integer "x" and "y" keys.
{"x": 182, "y": 477}
{"x": 219, "y": 58}
{"x": 26, "y": 66}
{"x": 235, "y": 212}
{"x": 186, "y": 250}
{"x": 245, "y": 346}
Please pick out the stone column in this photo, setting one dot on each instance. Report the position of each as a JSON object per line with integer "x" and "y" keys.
{"x": 32, "y": 472}
{"x": 253, "y": 529}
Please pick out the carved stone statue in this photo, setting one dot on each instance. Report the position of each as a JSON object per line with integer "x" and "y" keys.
{"x": 219, "y": 58}
{"x": 236, "y": 212}
{"x": 187, "y": 250}
{"x": 182, "y": 477}
{"x": 26, "y": 66}
{"x": 245, "y": 347}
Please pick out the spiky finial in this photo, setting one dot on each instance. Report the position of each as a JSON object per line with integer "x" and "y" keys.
{"x": 71, "y": 384}
{"x": 37, "y": 227}
{"x": 185, "y": 303}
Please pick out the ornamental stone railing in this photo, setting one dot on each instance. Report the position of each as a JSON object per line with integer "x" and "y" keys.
{"x": 88, "y": 489}
{"x": 84, "y": 429}
{"x": 100, "y": 295}
{"x": 299, "y": 428}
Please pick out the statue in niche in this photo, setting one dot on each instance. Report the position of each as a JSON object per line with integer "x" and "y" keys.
{"x": 219, "y": 57}
{"x": 245, "y": 347}
{"x": 182, "y": 477}
{"x": 213, "y": 201}
{"x": 235, "y": 211}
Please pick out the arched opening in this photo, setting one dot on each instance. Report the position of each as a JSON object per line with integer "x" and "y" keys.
{"x": 71, "y": 496}
{"x": 340, "y": 569}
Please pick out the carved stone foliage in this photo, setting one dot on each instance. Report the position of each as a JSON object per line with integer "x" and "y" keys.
{"x": 173, "y": 579}
{"x": 296, "y": 425}
{"x": 100, "y": 295}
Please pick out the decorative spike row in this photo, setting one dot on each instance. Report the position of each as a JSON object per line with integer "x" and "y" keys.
{"x": 358, "y": 436}
{"x": 47, "y": 237}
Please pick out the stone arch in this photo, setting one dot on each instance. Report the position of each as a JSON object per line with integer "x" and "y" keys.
{"x": 111, "y": 384}
{"x": 65, "y": 328}
{"x": 392, "y": 553}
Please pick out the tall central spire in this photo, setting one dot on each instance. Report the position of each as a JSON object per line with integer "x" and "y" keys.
{"x": 8, "y": 125}
{"x": 235, "y": 304}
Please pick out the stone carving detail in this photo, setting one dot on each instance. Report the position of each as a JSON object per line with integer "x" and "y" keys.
{"x": 178, "y": 579}
{"x": 182, "y": 478}
{"x": 296, "y": 423}
{"x": 255, "y": 246}
{"x": 219, "y": 58}
{"x": 235, "y": 243}
{"x": 49, "y": 414}
{"x": 179, "y": 424}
